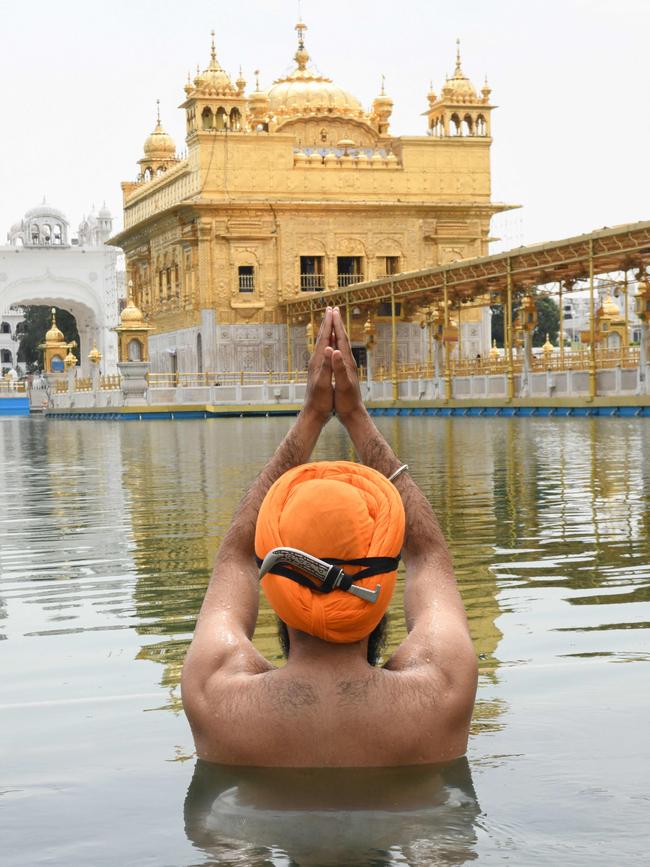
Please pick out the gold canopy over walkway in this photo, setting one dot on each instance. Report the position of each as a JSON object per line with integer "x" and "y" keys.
{"x": 617, "y": 249}
{"x": 496, "y": 280}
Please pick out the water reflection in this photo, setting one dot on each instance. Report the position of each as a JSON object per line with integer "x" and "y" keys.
{"x": 107, "y": 536}
{"x": 379, "y": 816}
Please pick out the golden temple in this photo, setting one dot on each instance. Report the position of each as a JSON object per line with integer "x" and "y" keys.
{"x": 291, "y": 191}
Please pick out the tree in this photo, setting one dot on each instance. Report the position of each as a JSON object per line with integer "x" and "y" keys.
{"x": 38, "y": 320}
{"x": 548, "y": 320}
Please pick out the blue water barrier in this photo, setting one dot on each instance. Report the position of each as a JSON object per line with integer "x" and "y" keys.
{"x": 18, "y": 405}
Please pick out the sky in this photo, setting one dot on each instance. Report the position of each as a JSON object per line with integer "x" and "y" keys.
{"x": 570, "y": 136}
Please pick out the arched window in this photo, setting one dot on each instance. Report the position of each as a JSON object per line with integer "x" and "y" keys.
{"x": 35, "y": 234}
{"x": 206, "y": 118}
{"x": 481, "y": 126}
{"x": 57, "y": 234}
{"x": 148, "y": 173}
{"x": 134, "y": 350}
{"x": 5, "y": 328}
{"x": 220, "y": 118}
{"x": 467, "y": 125}
{"x": 6, "y": 356}
{"x": 235, "y": 119}
{"x": 454, "y": 125}
{"x": 47, "y": 233}
{"x": 199, "y": 353}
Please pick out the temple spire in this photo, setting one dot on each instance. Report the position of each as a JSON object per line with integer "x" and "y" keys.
{"x": 458, "y": 71}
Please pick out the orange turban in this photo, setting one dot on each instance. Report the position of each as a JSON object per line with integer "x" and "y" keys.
{"x": 331, "y": 509}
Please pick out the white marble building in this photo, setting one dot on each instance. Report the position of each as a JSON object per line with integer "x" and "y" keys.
{"x": 42, "y": 264}
{"x": 9, "y": 338}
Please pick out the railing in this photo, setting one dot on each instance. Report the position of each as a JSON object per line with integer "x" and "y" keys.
{"x": 312, "y": 282}
{"x": 246, "y": 282}
{"x": 343, "y": 280}
{"x": 109, "y": 383}
{"x": 579, "y": 359}
{"x": 11, "y": 386}
{"x": 236, "y": 377}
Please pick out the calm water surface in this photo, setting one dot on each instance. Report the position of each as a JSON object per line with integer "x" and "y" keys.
{"x": 107, "y": 534}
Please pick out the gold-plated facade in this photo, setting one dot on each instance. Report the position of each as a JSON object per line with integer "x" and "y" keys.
{"x": 291, "y": 191}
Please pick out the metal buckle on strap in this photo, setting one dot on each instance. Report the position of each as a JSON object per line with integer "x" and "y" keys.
{"x": 315, "y": 568}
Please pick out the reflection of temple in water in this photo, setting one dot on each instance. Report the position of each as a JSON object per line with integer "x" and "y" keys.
{"x": 184, "y": 483}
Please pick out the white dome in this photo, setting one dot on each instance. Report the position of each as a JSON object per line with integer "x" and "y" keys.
{"x": 44, "y": 211}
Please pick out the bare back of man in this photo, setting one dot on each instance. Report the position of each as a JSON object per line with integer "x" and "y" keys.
{"x": 347, "y": 715}
{"x": 328, "y": 707}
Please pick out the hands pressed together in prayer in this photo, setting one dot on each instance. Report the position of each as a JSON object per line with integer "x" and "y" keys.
{"x": 332, "y": 379}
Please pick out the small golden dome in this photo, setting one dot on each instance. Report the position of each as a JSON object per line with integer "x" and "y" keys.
{"x": 71, "y": 359}
{"x": 609, "y": 309}
{"x": 54, "y": 335}
{"x": 383, "y": 100}
{"x": 159, "y": 145}
{"x": 131, "y": 315}
{"x": 94, "y": 356}
{"x": 548, "y": 346}
{"x": 494, "y": 352}
{"x": 459, "y": 88}
{"x": 214, "y": 81}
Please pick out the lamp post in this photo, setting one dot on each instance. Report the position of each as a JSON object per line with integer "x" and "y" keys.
{"x": 94, "y": 357}
{"x": 369, "y": 333}
{"x": 70, "y": 364}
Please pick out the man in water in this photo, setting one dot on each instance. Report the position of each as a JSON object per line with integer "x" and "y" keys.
{"x": 330, "y": 706}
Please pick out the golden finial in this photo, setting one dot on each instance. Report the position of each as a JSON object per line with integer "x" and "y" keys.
{"x": 257, "y": 79}
{"x": 383, "y": 84}
{"x": 301, "y": 56}
{"x": 301, "y": 27}
{"x": 458, "y": 71}
{"x": 158, "y": 111}
{"x": 213, "y": 50}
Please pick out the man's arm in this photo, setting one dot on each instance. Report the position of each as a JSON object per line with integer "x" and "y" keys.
{"x": 222, "y": 638}
{"x": 435, "y": 615}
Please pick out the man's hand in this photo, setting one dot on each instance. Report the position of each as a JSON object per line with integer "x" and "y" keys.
{"x": 319, "y": 394}
{"x": 347, "y": 393}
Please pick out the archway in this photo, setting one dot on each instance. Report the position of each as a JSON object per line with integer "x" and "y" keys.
{"x": 77, "y": 299}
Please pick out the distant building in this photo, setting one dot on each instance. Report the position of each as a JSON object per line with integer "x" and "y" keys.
{"x": 10, "y": 321}
{"x": 577, "y": 309}
{"x": 292, "y": 190}
{"x": 42, "y": 264}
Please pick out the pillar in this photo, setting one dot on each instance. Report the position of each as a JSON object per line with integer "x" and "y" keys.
{"x": 393, "y": 341}
{"x": 507, "y": 335}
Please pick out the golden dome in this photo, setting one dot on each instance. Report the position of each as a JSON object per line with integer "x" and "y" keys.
{"x": 306, "y": 92}
{"x": 94, "y": 356}
{"x": 214, "y": 81}
{"x": 609, "y": 309}
{"x": 459, "y": 88}
{"x": 548, "y": 346}
{"x": 159, "y": 145}
{"x": 131, "y": 315}
{"x": 54, "y": 335}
